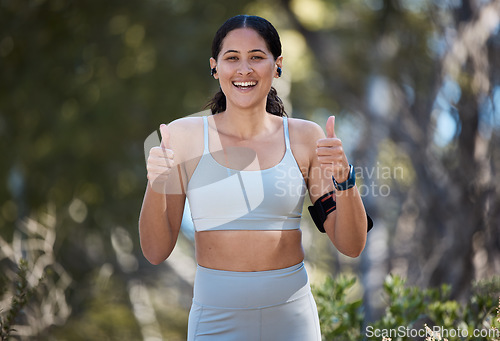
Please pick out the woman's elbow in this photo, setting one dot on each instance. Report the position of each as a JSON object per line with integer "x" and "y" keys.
{"x": 155, "y": 261}
{"x": 155, "y": 255}
{"x": 354, "y": 251}
{"x": 154, "y": 258}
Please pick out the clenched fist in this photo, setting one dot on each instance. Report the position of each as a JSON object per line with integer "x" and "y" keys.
{"x": 331, "y": 154}
{"x": 160, "y": 162}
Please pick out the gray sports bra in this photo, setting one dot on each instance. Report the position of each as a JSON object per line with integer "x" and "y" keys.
{"x": 222, "y": 198}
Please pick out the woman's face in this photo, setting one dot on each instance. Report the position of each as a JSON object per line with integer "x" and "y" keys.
{"x": 245, "y": 68}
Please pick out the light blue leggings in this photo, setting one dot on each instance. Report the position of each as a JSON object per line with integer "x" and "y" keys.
{"x": 253, "y": 306}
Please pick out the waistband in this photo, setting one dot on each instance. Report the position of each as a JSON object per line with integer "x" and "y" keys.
{"x": 249, "y": 290}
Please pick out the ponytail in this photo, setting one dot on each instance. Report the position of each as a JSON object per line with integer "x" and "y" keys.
{"x": 274, "y": 104}
{"x": 218, "y": 103}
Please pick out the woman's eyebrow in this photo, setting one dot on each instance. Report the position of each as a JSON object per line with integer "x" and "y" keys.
{"x": 231, "y": 51}
{"x": 251, "y": 51}
{"x": 256, "y": 50}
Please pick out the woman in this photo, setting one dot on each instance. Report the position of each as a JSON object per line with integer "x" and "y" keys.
{"x": 245, "y": 171}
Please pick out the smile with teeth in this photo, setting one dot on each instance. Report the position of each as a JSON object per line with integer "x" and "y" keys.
{"x": 244, "y": 85}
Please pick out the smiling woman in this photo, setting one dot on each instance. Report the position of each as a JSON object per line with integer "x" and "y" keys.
{"x": 229, "y": 56}
{"x": 245, "y": 68}
{"x": 251, "y": 283}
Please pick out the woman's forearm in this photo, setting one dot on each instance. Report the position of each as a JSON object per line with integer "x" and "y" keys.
{"x": 156, "y": 234}
{"x": 347, "y": 226}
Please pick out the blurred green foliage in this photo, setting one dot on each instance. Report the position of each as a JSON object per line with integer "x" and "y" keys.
{"x": 407, "y": 308}
{"x": 340, "y": 318}
{"x": 21, "y": 292}
{"x": 105, "y": 315}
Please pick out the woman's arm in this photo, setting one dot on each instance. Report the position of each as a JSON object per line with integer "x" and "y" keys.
{"x": 163, "y": 205}
{"x": 347, "y": 225}
{"x": 159, "y": 224}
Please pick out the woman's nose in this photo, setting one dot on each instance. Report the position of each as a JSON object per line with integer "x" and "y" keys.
{"x": 244, "y": 68}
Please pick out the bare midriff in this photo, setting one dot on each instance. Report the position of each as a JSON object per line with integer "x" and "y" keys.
{"x": 245, "y": 250}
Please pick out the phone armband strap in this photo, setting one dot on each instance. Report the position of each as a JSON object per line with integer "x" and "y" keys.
{"x": 323, "y": 207}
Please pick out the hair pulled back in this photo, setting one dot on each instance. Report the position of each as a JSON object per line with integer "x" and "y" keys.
{"x": 267, "y": 31}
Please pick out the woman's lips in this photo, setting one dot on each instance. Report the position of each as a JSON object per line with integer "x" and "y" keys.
{"x": 245, "y": 85}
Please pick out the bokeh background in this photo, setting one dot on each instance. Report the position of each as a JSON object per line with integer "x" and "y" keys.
{"x": 415, "y": 87}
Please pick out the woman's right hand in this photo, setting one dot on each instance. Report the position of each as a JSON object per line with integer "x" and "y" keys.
{"x": 160, "y": 162}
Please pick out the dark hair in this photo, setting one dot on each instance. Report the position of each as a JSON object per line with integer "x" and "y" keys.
{"x": 267, "y": 31}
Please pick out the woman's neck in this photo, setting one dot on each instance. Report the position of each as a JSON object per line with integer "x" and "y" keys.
{"x": 244, "y": 124}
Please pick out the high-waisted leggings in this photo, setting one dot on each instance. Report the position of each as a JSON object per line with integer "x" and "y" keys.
{"x": 269, "y": 305}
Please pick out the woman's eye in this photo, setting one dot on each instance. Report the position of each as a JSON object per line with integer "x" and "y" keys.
{"x": 232, "y": 58}
{"x": 257, "y": 57}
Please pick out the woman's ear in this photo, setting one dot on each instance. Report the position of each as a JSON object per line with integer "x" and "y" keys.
{"x": 213, "y": 68}
{"x": 279, "y": 66}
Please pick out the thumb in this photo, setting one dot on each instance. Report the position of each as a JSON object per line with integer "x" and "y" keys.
{"x": 330, "y": 127}
{"x": 165, "y": 136}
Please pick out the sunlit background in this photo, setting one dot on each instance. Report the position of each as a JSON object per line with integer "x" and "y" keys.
{"x": 415, "y": 87}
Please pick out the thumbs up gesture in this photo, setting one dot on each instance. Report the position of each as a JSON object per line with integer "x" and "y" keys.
{"x": 160, "y": 161}
{"x": 331, "y": 156}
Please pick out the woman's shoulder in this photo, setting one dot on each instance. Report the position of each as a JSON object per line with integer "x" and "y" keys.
{"x": 305, "y": 129}
{"x": 185, "y": 123}
{"x": 186, "y": 136}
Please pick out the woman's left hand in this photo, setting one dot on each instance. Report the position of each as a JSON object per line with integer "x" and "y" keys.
{"x": 331, "y": 154}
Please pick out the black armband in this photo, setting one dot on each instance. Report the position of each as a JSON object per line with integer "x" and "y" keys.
{"x": 321, "y": 208}
{"x": 324, "y": 206}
